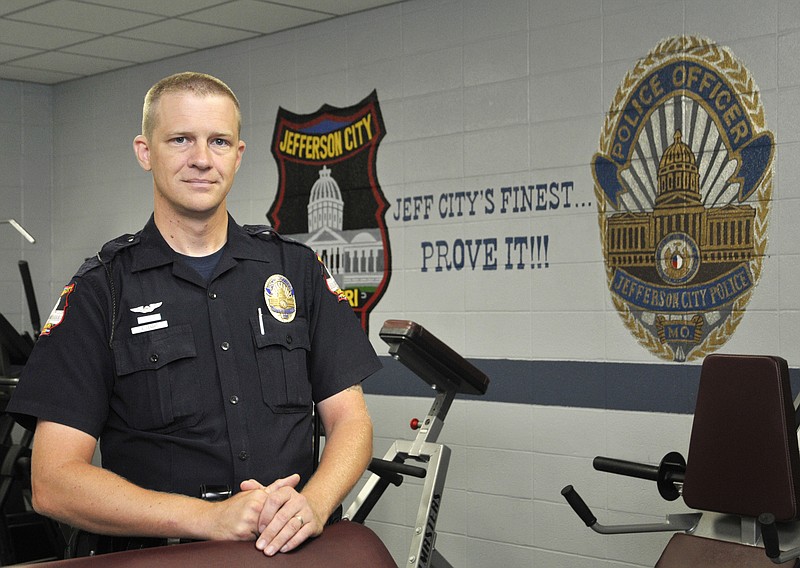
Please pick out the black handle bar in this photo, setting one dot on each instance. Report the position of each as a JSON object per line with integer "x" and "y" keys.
{"x": 671, "y": 471}
{"x": 628, "y": 468}
{"x": 387, "y": 472}
{"x": 770, "y": 535}
{"x": 393, "y": 471}
{"x": 578, "y": 505}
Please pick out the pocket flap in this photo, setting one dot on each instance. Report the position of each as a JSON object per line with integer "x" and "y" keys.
{"x": 154, "y": 349}
{"x": 287, "y": 335}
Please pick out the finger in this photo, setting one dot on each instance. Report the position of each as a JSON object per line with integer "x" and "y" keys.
{"x": 279, "y": 493}
{"x": 281, "y": 513}
{"x": 251, "y": 484}
{"x": 275, "y": 513}
{"x": 294, "y": 532}
{"x": 305, "y": 532}
{"x": 290, "y": 481}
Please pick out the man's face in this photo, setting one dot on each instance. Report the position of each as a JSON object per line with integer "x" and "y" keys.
{"x": 193, "y": 153}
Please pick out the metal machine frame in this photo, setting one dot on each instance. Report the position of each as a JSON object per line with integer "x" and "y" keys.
{"x": 449, "y": 374}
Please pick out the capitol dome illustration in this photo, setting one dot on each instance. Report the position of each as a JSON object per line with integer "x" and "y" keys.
{"x": 678, "y": 175}
{"x": 354, "y": 257}
{"x": 325, "y": 205}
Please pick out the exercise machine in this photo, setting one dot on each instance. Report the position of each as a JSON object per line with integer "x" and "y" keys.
{"x": 448, "y": 374}
{"x": 25, "y": 536}
{"x": 742, "y": 474}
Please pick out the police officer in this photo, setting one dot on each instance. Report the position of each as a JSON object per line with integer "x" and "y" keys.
{"x": 194, "y": 351}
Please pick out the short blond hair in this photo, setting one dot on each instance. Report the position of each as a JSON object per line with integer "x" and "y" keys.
{"x": 186, "y": 82}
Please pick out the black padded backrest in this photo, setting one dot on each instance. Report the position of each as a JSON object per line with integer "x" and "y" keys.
{"x": 743, "y": 457}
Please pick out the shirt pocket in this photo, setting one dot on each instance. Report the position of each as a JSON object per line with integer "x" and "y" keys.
{"x": 156, "y": 386}
{"x": 282, "y": 353}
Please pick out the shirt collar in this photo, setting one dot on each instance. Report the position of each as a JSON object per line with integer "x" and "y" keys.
{"x": 153, "y": 250}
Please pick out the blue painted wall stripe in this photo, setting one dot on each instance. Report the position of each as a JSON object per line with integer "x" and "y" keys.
{"x": 645, "y": 387}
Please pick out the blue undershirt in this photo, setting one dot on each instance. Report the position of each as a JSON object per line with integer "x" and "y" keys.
{"x": 204, "y": 265}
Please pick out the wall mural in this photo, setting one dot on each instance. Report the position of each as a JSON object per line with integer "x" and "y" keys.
{"x": 329, "y": 196}
{"x": 683, "y": 179}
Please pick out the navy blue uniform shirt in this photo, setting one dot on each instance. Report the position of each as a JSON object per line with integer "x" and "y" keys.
{"x": 187, "y": 382}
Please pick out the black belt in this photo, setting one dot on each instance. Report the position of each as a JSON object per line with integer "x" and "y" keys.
{"x": 83, "y": 543}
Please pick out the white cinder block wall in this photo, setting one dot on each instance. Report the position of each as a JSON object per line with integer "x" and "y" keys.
{"x": 474, "y": 94}
{"x": 26, "y": 123}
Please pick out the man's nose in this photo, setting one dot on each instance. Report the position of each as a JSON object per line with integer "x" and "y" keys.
{"x": 200, "y": 156}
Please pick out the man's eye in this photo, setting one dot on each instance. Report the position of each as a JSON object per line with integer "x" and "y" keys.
{"x": 219, "y": 142}
{"x": 179, "y": 139}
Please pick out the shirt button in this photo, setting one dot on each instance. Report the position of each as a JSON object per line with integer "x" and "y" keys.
{"x": 154, "y": 358}
{"x": 234, "y": 399}
{"x": 225, "y": 346}
{"x": 289, "y": 339}
{"x": 243, "y": 455}
{"x": 212, "y": 295}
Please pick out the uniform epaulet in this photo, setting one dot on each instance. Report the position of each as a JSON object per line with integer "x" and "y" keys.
{"x": 112, "y": 248}
{"x": 108, "y": 252}
{"x": 266, "y": 233}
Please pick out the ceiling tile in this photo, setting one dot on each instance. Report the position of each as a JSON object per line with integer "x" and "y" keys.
{"x": 187, "y": 34}
{"x": 257, "y": 16}
{"x": 14, "y": 73}
{"x": 338, "y": 7}
{"x": 11, "y": 52}
{"x": 70, "y": 63}
{"x": 43, "y": 37}
{"x": 50, "y": 41}
{"x": 161, "y": 7}
{"x": 8, "y": 6}
{"x": 126, "y": 49}
{"x": 84, "y": 17}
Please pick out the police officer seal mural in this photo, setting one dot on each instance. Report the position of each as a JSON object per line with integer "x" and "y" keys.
{"x": 683, "y": 179}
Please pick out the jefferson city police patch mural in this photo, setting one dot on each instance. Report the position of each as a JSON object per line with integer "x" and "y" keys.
{"x": 329, "y": 197}
{"x": 683, "y": 180}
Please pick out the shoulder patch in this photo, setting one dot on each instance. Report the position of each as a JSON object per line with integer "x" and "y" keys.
{"x": 331, "y": 283}
{"x": 59, "y": 310}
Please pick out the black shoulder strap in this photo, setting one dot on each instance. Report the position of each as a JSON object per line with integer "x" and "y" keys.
{"x": 106, "y": 258}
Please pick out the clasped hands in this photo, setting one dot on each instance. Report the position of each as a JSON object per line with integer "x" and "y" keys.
{"x": 277, "y": 516}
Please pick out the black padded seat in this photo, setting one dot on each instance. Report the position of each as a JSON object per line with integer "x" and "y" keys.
{"x": 687, "y": 551}
{"x": 341, "y": 545}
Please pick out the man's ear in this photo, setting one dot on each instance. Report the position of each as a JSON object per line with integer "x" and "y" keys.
{"x": 142, "y": 151}
{"x": 239, "y": 153}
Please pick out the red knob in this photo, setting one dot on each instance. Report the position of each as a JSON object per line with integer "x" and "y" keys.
{"x": 414, "y": 424}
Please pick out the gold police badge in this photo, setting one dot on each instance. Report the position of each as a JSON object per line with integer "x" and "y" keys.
{"x": 683, "y": 179}
{"x": 279, "y": 296}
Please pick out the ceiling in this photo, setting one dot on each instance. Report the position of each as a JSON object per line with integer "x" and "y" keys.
{"x": 51, "y": 41}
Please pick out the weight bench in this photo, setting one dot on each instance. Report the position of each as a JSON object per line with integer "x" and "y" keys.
{"x": 448, "y": 374}
{"x": 742, "y": 473}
